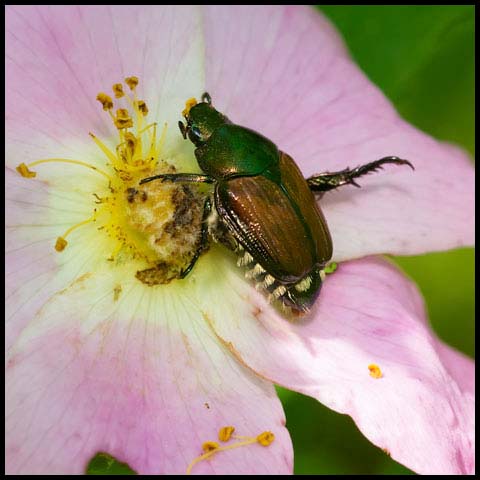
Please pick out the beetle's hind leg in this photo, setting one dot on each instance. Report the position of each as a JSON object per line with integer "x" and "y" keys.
{"x": 323, "y": 182}
{"x": 207, "y": 208}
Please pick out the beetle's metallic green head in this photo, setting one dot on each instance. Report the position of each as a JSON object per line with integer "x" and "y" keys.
{"x": 202, "y": 120}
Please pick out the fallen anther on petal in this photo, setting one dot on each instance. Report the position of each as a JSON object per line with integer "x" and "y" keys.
{"x": 210, "y": 446}
{"x": 265, "y": 439}
{"x": 375, "y": 371}
{"x": 105, "y": 100}
{"x": 118, "y": 90}
{"x": 23, "y": 170}
{"x": 60, "y": 244}
{"x": 225, "y": 433}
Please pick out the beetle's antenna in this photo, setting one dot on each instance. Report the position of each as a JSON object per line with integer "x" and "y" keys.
{"x": 207, "y": 98}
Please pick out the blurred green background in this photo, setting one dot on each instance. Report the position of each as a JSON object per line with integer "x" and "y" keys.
{"x": 422, "y": 57}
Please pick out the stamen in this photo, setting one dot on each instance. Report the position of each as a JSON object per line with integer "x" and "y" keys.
{"x": 29, "y": 174}
{"x": 199, "y": 459}
{"x": 118, "y": 90}
{"x": 104, "y": 149}
{"x": 61, "y": 243}
{"x": 163, "y": 136}
{"x": 105, "y": 100}
{"x": 132, "y": 82}
{"x": 375, "y": 371}
{"x": 265, "y": 439}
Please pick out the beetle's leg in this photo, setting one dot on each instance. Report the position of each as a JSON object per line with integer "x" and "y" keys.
{"x": 330, "y": 180}
{"x": 180, "y": 177}
{"x": 207, "y": 207}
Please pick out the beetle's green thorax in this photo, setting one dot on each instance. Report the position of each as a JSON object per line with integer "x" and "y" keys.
{"x": 202, "y": 121}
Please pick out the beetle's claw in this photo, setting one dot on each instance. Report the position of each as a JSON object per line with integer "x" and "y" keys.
{"x": 406, "y": 162}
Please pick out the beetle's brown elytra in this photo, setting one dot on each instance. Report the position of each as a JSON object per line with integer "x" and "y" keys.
{"x": 261, "y": 206}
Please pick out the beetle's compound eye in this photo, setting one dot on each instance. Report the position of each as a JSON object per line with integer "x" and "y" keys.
{"x": 194, "y": 134}
{"x": 206, "y": 98}
{"x": 183, "y": 129}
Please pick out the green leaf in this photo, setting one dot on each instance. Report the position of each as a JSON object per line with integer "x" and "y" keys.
{"x": 422, "y": 57}
{"x": 104, "y": 464}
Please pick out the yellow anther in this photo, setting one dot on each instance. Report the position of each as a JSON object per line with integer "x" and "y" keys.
{"x": 60, "y": 244}
{"x": 123, "y": 119}
{"x": 225, "y": 433}
{"x": 105, "y": 100}
{"x": 210, "y": 446}
{"x": 188, "y": 105}
{"x": 265, "y": 438}
{"x": 118, "y": 90}
{"x": 132, "y": 82}
{"x": 375, "y": 371}
{"x": 131, "y": 143}
{"x": 142, "y": 107}
{"x": 23, "y": 170}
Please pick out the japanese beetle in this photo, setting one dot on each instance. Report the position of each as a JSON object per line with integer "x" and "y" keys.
{"x": 263, "y": 207}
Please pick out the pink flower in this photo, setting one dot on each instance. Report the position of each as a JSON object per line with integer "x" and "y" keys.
{"x": 99, "y": 361}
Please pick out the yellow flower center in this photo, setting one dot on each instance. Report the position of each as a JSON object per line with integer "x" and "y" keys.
{"x": 157, "y": 223}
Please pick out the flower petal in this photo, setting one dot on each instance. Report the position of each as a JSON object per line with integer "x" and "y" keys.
{"x": 421, "y": 410}
{"x": 59, "y": 58}
{"x": 142, "y": 378}
{"x": 283, "y": 72}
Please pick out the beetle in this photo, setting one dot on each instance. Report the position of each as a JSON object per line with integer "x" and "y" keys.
{"x": 262, "y": 206}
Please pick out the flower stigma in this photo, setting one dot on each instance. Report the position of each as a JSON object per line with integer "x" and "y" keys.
{"x": 210, "y": 448}
{"x": 157, "y": 224}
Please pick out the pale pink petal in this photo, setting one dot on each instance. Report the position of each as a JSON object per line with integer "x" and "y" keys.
{"x": 142, "y": 378}
{"x": 283, "y": 72}
{"x": 421, "y": 410}
{"x": 58, "y": 58}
